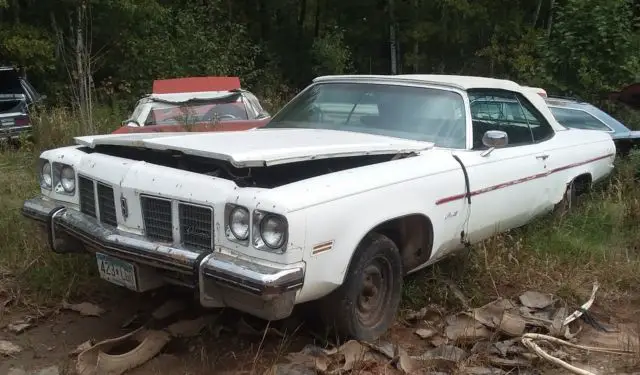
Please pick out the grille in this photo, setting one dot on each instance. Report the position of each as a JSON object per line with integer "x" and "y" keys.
{"x": 107, "y": 205}
{"x": 196, "y": 229}
{"x": 87, "y": 197}
{"x": 156, "y": 214}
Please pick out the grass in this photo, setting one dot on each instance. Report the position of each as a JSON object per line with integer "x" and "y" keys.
{"x": 598, "y": 240}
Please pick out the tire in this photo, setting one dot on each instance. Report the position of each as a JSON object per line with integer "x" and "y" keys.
{"x": 365, "y": 305}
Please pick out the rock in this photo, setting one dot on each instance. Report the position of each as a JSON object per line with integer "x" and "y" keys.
{"x": 189, "y": 328}
{"x": 16, "y": 371}
{"x": 82, "y": 347}
{"x": 536, "y": 300}
{"x": 466, "y": 329}
{"x": 168, "y": 308}
{"x": 84, "y": 308}
{"x": 447, "y": 353}
{"x": 7, "y": 348}
{"x": 18, "y": 327}
{"x": 290, "y": 369}
{"x": 51, "y": 370}
{"x": 426, "y": 333}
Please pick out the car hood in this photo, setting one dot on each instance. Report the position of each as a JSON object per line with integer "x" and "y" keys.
{"x": 263, "y": 147}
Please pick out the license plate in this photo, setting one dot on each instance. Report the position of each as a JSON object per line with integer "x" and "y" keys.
{"x": 117, "y": 271}
{"x": 7, "y": 122}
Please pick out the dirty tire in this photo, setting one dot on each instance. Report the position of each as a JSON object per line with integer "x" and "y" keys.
{"x": 365, "y": 305}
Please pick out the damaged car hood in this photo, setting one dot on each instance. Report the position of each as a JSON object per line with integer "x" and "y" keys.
{"x": 263, "y": 147}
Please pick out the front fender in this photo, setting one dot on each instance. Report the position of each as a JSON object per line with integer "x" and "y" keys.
{"x": 334, "y": 229}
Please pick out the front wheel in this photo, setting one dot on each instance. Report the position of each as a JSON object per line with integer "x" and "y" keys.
{"x": 365, "y": 305}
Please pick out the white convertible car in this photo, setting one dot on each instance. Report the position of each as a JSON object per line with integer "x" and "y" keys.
{"x": 356, "y": 182}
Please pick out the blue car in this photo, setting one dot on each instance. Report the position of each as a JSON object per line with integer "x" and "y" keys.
{"x": 580, "y": 115}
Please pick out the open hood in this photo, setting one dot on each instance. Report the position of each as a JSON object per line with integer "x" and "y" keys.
{"x": 263, "y": 147}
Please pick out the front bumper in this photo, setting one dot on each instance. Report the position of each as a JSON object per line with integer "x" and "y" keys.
{"x": 266, "y": 291}
{"x": 14, "y": 132}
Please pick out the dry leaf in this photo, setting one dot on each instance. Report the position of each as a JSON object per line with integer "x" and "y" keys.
{"x": 536, "y": 300}
{"x": 426, "y": 333}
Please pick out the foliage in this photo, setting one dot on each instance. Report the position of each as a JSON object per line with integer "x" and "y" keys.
{"x": 580, "y": 47}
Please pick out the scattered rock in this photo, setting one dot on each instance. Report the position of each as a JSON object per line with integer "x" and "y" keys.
{"x": 18, "y": 326}
{"x": 51, "y": 370}
{"x": 189, "y": 328}
{"x": 290, "y": 369}
{"x": 462, "y": 328}
{"x": 84, "y": 308}
{"x": 536, "y": 300}
{"x": 7, "y": 348}
{"x": 426, "y": 333}
{"x": 82, "y": 347}
{"x": 168, "y": 308}
{"x": 448, "y": 353}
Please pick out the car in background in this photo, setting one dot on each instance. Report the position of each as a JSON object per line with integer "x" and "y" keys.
{"x": 577, "y": 114}
{"x": 16, "y": 97}
{"x": 196, "y": 104}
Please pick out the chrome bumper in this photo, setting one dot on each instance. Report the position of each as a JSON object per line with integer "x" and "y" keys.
{"x": 13, "y": 132}
{"x": 266, "y": 291}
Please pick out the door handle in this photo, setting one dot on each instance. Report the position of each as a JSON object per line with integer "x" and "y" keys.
{"x": 542, "y": 157}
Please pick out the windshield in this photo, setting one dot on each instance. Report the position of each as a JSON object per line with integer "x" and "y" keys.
{"x": 578, "y": 119}
{"x": 423, "y": 114}
{"x": 164, "y": 113}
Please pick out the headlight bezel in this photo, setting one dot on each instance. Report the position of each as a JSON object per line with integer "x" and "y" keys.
{"x": 259, "y": 217}
{"x": 229, "y": 209}
{"x": 41, "y": 174}
{"x": 58, "y": 184}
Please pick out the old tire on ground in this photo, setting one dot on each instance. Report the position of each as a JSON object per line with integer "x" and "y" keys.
{"x": 364, "y": 306}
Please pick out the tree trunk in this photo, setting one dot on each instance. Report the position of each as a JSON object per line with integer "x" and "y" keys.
{"x": 550, "y": 19}
{"x": 316, "y": 27}
{"x": 536, "y": 14}
{"x": 392, "y": 38}
{"x": 302, "y": 15}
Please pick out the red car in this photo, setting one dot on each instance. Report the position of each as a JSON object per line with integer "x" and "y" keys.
{"x": 200, "y": 104}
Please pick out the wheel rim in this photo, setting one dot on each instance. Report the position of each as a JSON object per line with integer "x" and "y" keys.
{"x": 375, "y": 291}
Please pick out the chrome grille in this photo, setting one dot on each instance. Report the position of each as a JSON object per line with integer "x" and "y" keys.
{"x": 196, "y": 230}
{"x": 87, "y": 196}
{"x": 156, "y": 214}
{"x": 107, "y": 205}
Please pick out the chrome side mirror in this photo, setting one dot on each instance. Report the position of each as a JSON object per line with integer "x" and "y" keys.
{"x": 494, "y": 139}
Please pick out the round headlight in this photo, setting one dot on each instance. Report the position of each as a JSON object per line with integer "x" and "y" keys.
{"x": 273, "y": 231}
{"x": 239, "y": 223}
{"x": 68, "y": 179}
{"x": 45, "y": 175}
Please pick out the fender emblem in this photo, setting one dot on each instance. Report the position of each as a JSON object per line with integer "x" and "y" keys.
{"x": 124, "y": 207}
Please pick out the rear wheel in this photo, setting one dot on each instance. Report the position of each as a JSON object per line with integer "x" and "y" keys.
{"x": 364, "y": 306}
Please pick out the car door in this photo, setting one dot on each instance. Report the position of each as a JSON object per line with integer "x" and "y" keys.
{"x": 507, "y": 184}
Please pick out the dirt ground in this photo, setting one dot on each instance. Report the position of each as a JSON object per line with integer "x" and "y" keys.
{"x": 234, "y": 343}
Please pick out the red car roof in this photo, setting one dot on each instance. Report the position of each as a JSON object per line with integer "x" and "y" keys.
{"x": 195, "y": 84}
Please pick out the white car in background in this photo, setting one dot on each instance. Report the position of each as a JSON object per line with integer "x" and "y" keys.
{"x": 356, "y": 182}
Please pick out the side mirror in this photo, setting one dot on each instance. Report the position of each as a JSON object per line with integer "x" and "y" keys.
{"x": 495, "y": 139}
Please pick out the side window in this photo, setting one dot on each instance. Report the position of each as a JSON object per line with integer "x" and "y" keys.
{"x": 540, "y": 128}
{"x": 575, "y": 118}
{"x": 498, "y": 110}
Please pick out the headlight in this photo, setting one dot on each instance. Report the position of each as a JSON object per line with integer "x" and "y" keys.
{"x": 269, "y": 231}
{"x": 238, "y": 222}
{"x": 46, "y": 177}
{"x": 68, "y": 179}
{"x": 64, "y": 179}
{"x": 273, "y": 231}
